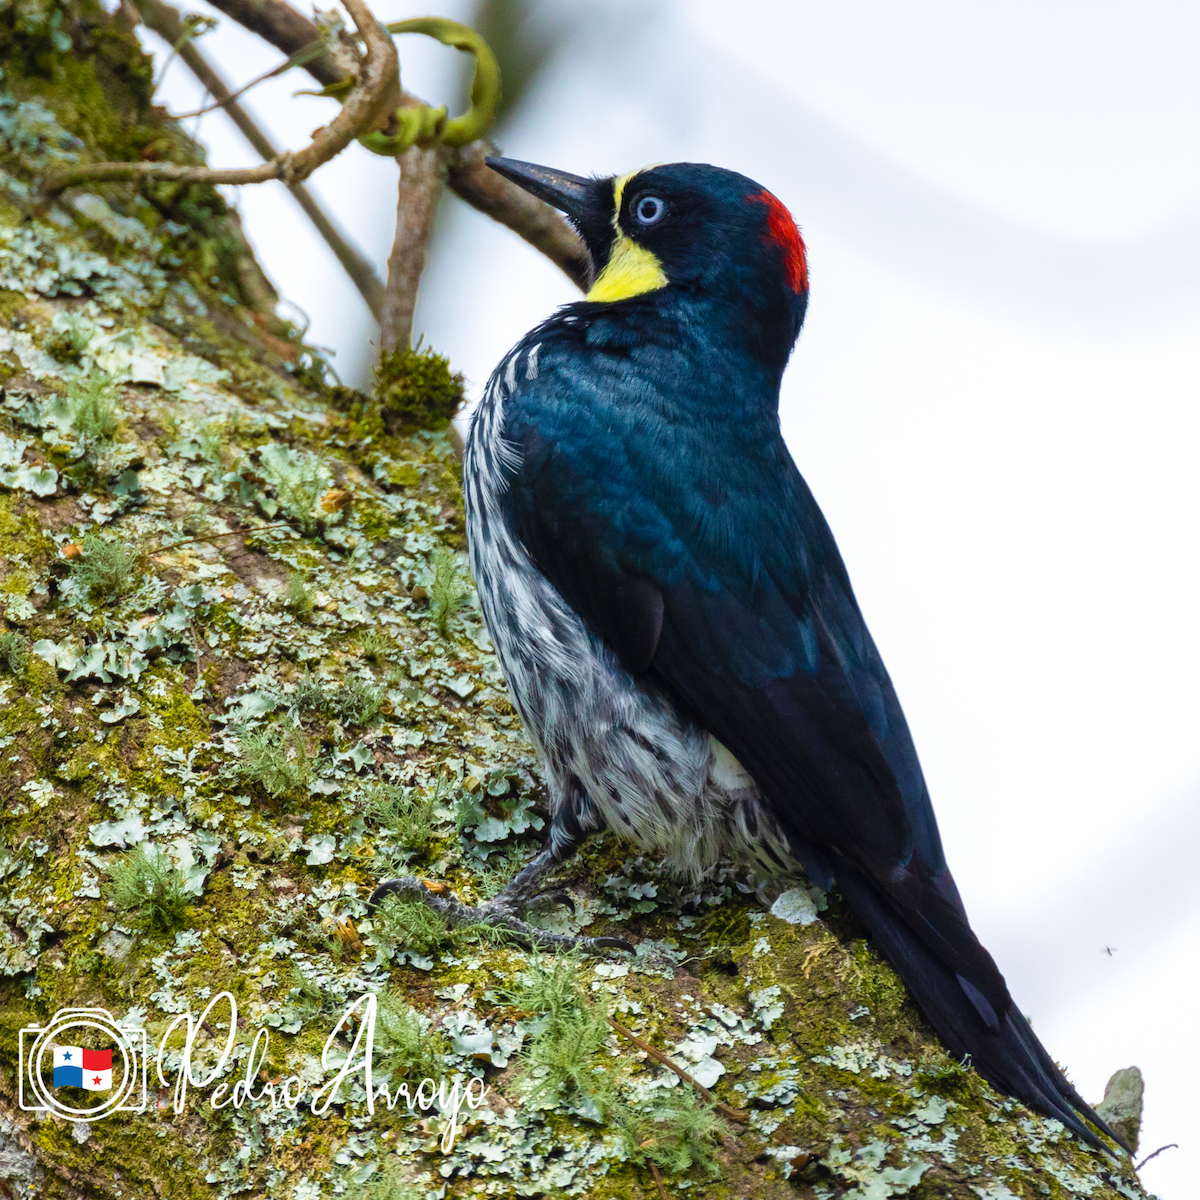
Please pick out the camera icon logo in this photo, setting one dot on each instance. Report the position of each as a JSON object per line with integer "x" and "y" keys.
{"x": 58, "y": 1072}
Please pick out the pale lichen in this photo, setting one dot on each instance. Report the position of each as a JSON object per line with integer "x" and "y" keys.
{"x": 289, "y": 696}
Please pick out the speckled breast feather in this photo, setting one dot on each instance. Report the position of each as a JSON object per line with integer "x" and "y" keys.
{"x": 616, "y": 752}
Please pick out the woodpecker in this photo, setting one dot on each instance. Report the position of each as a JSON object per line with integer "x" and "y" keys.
{"x": 670, "y": 610}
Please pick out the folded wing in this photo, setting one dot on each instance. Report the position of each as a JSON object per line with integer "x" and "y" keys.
{"x": 721, "y": 585}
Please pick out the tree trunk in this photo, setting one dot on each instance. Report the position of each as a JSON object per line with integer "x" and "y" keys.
{"x": 235, "y": 633}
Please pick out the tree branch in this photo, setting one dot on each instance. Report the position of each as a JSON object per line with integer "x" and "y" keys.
{"x": 289, "y": 31}
{"x": 165, "y": 21}
{"x": 534, "y": 220}
{"x": 370, "y": 101}
{"x": 466, "y": 173}
{"x": 171, "y": 172}
{"x": 734, "y": 1114}
{"x": 422, "y": 176}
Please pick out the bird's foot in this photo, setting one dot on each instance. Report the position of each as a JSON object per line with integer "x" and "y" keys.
{"x": 500, "y": 912}
{"x": 551, "y": 898}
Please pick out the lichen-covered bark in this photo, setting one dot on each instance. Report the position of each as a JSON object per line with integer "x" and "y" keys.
{"x": 234, "y": 631}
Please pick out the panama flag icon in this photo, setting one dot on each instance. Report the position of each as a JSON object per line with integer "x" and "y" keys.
{"x": 76, "y": 1067}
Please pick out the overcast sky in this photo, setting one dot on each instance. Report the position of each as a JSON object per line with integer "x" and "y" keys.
{"x": 996, "y": 400}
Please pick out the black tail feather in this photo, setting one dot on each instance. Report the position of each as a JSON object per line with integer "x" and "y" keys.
{"x": 1008, "y": 1055}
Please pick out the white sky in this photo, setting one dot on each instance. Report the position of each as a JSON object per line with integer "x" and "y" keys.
{"x": 995, "y": 400}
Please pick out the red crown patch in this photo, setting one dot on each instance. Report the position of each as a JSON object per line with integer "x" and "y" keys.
{"x": 781, "y": 229}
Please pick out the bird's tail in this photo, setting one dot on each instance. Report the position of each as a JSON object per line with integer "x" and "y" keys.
{"x": 1009, "y": 1057}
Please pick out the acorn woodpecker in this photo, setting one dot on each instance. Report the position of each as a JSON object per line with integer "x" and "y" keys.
{"x": 670, "y": 610}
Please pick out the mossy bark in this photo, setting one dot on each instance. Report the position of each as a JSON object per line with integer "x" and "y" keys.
{"x": 241, "y": 702}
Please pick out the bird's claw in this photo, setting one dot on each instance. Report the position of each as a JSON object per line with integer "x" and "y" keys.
{"x": 609, "y": 943}
{"x": 500, "y": 912}
{"x": 550, "y": 898}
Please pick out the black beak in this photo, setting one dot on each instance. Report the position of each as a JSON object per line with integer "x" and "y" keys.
{"x": 570, "y": 193}
{"x": 587, "y": 203}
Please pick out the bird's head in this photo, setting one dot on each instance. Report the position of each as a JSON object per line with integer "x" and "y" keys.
{"x": 683, "y": 227}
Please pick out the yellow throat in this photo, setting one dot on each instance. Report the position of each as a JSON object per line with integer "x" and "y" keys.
{"x": 631, "y": 269}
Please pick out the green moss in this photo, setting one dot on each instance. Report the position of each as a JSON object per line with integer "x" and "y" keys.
{"x": 14, "y": 308}
{"x": 411, "y": 925}
{"x": 299, "y": 596}
{"x": 950, "y": 1079}
{"x": 375, "y": 520}
{"x": 374, "y": 647}
{"x": 356, "y": 702}
{"x": 106, "y": 569}
{"x": 16, "y": 583}
{"x": 68, "y": 342}
{"x": 676, "y": 1131}
{"x": 417, "y": 390}
{"x": 449, "y": 589}
{"x": 403, "y": 475}
{"x": 276, "y": 759}
{"x": 410, "y": 1047}
{"x": 878, "y": 984}
{"x": 92, "y": 405}
{"x": 388, "y": 1184}
{"x": 403, "y": 817}
{"x": 149, "y": 889}
{"x": 23, "y": 536}
{"x": 14, "y": 651}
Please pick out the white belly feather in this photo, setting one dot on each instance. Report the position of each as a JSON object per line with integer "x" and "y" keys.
{"x": 616, "y": 753}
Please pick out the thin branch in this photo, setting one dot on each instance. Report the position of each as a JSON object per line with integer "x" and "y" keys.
{"x": 361, "y": 272}
{"x": 467, "y": 174}
{"x": 534, "y": 220}
{"x": 1168, "y": 1146}
{"x": 195, "y": 28}
{"x": 166, "y": 22}
{"x": 422, "y": 175}
{"x": 289, "y": 31}
{"x": 658, "y": 1179}
{"x": 732, "y": 1113}
{"x": 171, "y": 172}
{"x": 296, "y": 60}
{"x": 212, "y": 537}
{"x": 369, "y": 102}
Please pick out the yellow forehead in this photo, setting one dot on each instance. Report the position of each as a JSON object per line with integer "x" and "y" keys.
{"x": 619, "y": 191}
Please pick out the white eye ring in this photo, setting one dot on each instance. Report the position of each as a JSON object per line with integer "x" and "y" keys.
{"x": 649, "y": 210}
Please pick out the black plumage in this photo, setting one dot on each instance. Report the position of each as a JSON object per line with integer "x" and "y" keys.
{"x": 634, "y": 460}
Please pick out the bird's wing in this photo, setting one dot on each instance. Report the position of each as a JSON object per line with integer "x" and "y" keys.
{"x": 721, "y": 583}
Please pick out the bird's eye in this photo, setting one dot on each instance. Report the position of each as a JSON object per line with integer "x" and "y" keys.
{"x": 649, "y": 210}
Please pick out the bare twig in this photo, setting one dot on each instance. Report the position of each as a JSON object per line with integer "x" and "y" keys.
{"x": 732, "y": 1113}
{"x": 370, "y": 101}
{"x": 171, "y": 172}
{"x": 539, "y": 224}
{"x": 286, "y": 30}
{"x": 212, "y": 537}
{"x": 422, "y": 174}
{"x": 166, "y": 22}
{"x": 361, "y": 272}
{"x": 296, "y": 60}
{"x": 1168, "y": 1146}
{"x": 467, "y": 174}
{"x": 658, "y": 1179}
